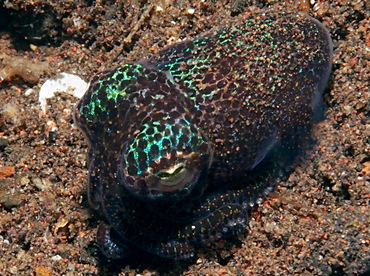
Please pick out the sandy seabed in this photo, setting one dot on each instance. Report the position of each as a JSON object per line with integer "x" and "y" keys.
{"x": 315, "y": 223}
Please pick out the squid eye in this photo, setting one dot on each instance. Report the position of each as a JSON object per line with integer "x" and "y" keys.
{"x": 172, "y": 178}
{"x": 168, "y": 173}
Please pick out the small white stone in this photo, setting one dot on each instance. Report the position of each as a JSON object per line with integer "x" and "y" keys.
{"x": 158, "y": 8}
{"x": 29, "y": 91}
{"x": 56, "y": 258}
{"x": 191, "y": 11}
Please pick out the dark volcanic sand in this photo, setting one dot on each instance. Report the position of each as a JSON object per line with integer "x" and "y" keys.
{"x": 315, "y": 223}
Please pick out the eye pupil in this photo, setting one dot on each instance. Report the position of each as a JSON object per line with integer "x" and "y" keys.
{"x": 163, "y": 174}
{"x": 167, "y": 174}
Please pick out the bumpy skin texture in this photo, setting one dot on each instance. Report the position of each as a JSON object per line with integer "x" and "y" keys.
{"x": 183, "y": 144}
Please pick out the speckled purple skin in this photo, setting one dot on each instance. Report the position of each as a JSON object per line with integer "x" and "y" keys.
{"x": 183, "y": 144}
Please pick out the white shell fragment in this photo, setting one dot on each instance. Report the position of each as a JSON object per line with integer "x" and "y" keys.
{"x": 62, "y": 82}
